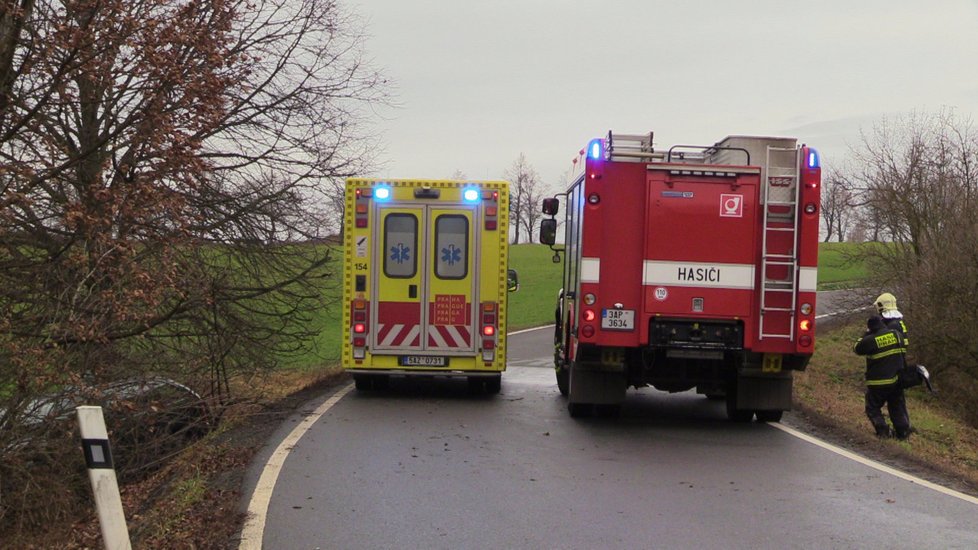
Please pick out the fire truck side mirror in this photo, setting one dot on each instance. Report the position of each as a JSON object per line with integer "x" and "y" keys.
{"x": 512, "y": 280}
{"x": 551, "y": 206}
{"x": 548, "y": 231}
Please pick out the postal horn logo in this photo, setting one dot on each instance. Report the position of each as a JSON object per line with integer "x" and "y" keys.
{"x": 731, "y": 206}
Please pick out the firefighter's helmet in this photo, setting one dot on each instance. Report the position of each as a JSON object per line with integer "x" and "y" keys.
{"x": 886, "y": 302}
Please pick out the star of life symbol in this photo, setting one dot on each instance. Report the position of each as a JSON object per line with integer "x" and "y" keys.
{"x": 451, "y": 255}
{"x": 400, "y": 253}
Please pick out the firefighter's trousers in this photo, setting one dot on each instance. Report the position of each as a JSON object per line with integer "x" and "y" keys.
{"x": 892, "y": 396}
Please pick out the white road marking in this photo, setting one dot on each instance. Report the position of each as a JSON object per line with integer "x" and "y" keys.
{"x": 528, "y": 330}
{"x": 873, "y": 464}
{"x": 254, "y": 528}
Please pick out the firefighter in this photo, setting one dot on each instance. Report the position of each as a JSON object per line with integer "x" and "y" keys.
{"x": 883, "y": 347}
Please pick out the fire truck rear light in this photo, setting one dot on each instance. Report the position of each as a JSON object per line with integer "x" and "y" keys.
{"x": 359, "y": 304}
{"x": 489, "y": 306}
{"x": 488, "y": 355}
{"x": 805, "y": 341}
{"x": 805, "y": 325}
{"x": 589, "y": 315}
{"x": 488, "y": 319}
{"x": 488, "y": 330}
{"x": 589, "y": 299}
{"x": 487, "y": 195}
{"x": 587, "y": 331}
{"x": 360, "y": 328}
{"x": 361, "y": 222}
{"x": 810, "y": 208}
{"x": 359, "y": 353}
{"x": 490, "y": 225}
{"x": 361, "y": 209}
{"x": 491, "y": 211}
{"x": 806, "y": 309}
{"x": 359, "y": 341}
{"x": 360, "y": 316}
{"x": 593, "y": 198}
{"x": 488, "y": 344}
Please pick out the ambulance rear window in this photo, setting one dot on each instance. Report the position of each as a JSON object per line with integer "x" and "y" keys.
{"x": 400, "y": 245}
{"x": 451, "y": 246}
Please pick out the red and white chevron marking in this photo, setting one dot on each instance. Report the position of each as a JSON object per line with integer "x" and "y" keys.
{"x": 391, "y": 335}
{"x": 449, "y": 337}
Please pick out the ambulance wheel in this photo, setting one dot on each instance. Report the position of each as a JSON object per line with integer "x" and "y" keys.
{"x": 494, "y": 384}
{"x": 563, "y": 381}
{"x": 769, "y": 416}
{"x": 363, "y": 382}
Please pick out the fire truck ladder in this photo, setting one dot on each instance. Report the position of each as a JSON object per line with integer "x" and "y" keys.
{"x": 780, "y": 216}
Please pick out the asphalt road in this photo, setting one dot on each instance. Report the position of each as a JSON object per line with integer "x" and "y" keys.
{"x": 425, "y": 465}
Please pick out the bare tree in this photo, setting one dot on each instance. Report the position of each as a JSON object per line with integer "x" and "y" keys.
{"x": 162, "y": 164}
{"x": 919, "y": 181}
{"x": 526, "y": 195}
{"x": 839, "y": 207}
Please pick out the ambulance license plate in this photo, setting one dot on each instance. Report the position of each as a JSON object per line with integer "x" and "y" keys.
{"x": 422, "y": 361}
{"x": 618, "y": 319}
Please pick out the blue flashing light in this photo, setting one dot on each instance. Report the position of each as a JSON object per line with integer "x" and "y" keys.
{"x": 471, "y": 194}
{"x": 594, "y": 149}
{"x": 382, "y": 193}
{"x": 814, "y": 161}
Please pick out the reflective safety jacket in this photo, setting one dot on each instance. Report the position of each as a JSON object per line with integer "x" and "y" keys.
{"x": 884, "y": 351}
{"x": 900, "y": 326}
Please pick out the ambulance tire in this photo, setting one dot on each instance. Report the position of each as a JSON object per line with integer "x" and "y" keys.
{"x": 363, "y": 382}
{"x": 563, "y": 381}
{"x": 769, "y": 416}
{"x": 494, "y": 384}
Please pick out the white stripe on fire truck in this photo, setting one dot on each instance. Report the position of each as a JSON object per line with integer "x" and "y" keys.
{"x": 460, "y": 341}
{"x": 412, "y": 336}
{"x": 590, "y": 270}
{"x": 436, "y": 335}
{"x": 807, "y": 279}
{"x": 737, "y": 276}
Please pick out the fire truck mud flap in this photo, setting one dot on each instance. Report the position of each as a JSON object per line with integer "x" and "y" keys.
{"x": 766, "y": 394}
{"x": 596, "y": 384}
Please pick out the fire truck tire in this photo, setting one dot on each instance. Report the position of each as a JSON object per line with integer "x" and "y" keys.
{"x": 769, "y": 416}
{"x": 607, "y": 411}
{"x": 580, "y": 410}
{"x": 735, "y": 414}
{"x": 362, "y": 382}
{"x": 563, "y": 381}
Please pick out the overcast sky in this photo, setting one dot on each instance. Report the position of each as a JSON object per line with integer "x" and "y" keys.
{"x": 478, "y": 83}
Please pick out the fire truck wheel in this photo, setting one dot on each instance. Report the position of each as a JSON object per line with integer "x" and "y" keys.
{"x": 563, "y": 381}
{"x": 607, "y": 411}
{"x": 735, "y": 414}
{"x": 363, "y": 382}
{"x": 769, "y": 416}
{"x": 580, "y": 410}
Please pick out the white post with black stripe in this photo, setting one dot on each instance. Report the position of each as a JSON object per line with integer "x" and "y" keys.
{"x": 105, "y": 486}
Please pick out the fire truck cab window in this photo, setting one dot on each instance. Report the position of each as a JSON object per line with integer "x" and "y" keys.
{"x": 400, "y": 246}
{"x": 451, "y": 246}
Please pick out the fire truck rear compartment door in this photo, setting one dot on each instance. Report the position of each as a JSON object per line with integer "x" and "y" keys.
{"x": 700, "y": 249}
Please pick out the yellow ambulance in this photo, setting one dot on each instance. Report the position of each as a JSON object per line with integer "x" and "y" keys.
{"x": 425, "y": 280}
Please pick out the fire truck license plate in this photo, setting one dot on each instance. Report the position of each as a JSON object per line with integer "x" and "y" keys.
{"x": 422, "y": 361}
{"x": 618, "y": 319}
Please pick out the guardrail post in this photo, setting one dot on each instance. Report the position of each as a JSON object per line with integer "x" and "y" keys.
{"x": 101, "y": 473}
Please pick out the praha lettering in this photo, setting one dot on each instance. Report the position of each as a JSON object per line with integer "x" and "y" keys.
{"x": 699, "y": 274}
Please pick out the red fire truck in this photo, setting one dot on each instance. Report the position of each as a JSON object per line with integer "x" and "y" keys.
{"x": 690, "y": 267}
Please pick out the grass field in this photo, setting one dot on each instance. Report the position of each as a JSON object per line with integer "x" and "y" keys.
{"x": 839, "y": 265}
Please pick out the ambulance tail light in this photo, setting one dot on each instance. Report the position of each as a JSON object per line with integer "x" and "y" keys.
{"x": 359, "y": 329}
{"x": 490, "y": 325}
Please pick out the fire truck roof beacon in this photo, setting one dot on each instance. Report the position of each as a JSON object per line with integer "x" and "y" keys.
{"x": 471, "y": 194}
{"x": 382, "y": 193}
{"x": 594, "y": 150}
{"x": 813, "y": 160}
